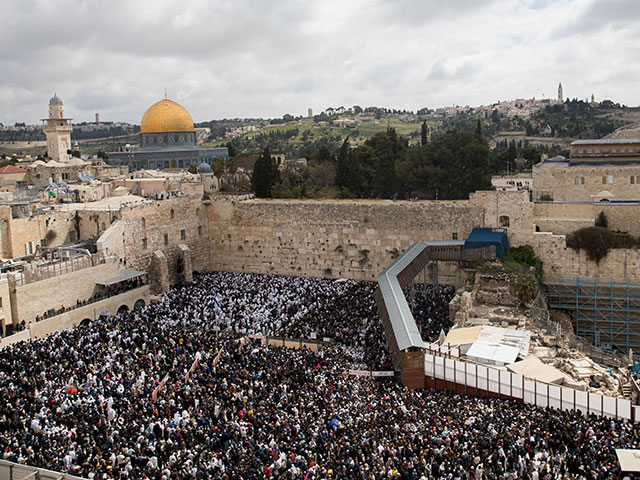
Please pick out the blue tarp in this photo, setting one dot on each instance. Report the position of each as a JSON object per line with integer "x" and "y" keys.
{"x": 485, "y": 237}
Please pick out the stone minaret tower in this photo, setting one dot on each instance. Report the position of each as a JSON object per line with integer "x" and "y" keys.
{"x": 58, "y": 131}
{"x": 560, "y": 97}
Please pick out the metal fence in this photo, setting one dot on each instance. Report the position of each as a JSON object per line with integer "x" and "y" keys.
{"x": 43, "y": 272}
{"x": 471, "y": 378}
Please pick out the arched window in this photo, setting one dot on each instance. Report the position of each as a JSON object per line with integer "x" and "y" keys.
{"x": 604, "y": 179}
{"x": 103, "y": 226}
{"x": 581, "y": 180}
{"x": 504, "y": 221}
{"x": 143, "y": 222}
{"x": 197, "y": 212}
{"x": 576, "y": 180}
{"x": 632, "y": 180}
{"x": 171, "y": 214}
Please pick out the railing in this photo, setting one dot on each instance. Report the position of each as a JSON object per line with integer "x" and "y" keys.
{"x": 464, "y": 377}
{"x": 17, "y": 471}
{"x": 52, "y": 270}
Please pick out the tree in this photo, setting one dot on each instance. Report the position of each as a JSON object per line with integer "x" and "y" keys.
{"x": 479, "y": 130}
{"x": 232, "y": 150}
{"x": 265, "y": 175}
{"x": 424, "y": 137}
{"x": 602, "y": 220}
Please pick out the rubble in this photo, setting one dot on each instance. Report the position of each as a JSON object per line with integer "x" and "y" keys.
{"x": 491, "y": 302}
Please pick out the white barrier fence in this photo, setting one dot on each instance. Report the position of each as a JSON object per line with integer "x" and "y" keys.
{"x": 16, "y": 471}
{"x": 465, "y": 375}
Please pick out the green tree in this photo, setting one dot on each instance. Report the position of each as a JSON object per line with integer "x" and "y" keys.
{"x": 479, "y": 130}
{"x": 265, "y": 175}
{"x": 424, "y": 131}
{"x": 232, "y": 149}
{"x": 602, "y": 220}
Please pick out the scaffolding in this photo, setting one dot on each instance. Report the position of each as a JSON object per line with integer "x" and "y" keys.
{"x": 607, "y": 314}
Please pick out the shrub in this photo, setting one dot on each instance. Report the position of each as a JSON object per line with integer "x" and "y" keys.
{"x": 596, "y": 241}
{"x": 523, "y": 255}
{"x": 524, "y": 286}
{"x": 545, "y": 197}
{"x": 602, "y": 220}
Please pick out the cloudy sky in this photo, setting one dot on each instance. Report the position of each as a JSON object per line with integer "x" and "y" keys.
{"x": 255, "y": 58}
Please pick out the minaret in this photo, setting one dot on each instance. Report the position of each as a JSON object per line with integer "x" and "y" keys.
{"x": 58, "y": 131}
{"x": 560, "y": 97}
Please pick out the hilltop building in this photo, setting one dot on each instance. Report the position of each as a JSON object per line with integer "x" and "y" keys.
{"x": 58, "y": 131}
{"x": 560, "y": 96}
{"x": 167, "y": 140}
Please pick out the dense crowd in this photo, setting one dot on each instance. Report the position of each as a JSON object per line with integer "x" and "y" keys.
{"x": 82, "y": 400}
{"x": 430, "y": 308}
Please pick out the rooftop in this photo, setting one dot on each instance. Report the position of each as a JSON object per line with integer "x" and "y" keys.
{"x": 607, "y": 141}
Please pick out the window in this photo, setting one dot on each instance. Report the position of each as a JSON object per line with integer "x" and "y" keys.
{"x": 199, "y": 229}
{"x": 604, "y": 180}
{"x": 144, "y": 243}
{"x": 610, "y": 179}
{"x": 143, "y": 222}
{"x": 576, "y": 180}
{"x": 183, "y": 234}
{"x": 454, "y": 236}
{"x": 166, "y": 239}
{"x": 632, "y": 180}
{"x": 197, "y": 212}
{"x": 581, "y": 180}
{"x": 172, "y": 214}
{"x": 30, "y": 248}
{"x": 103, "y": 226}
{"x": 504, "y": 221}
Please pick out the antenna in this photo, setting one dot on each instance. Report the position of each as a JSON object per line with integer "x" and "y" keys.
{"x": 165, "y": 93}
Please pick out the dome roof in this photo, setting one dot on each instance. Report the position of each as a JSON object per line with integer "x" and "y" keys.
{"x": 55, "y": 100}
{"x": 204, "y": 168}
{"x": 166, "y": 116}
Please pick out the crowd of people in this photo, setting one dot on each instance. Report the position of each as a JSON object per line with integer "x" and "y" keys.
{"x": 430, "y": 308}
{"x": 177, "y": 391}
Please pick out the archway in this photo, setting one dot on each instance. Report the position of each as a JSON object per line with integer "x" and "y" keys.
{"x": 123, "y": 309}
{"x": 85, "y": 322}
{"x": 139, "y": 304}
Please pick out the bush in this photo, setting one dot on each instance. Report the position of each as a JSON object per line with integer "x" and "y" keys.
{"x": 596, "y": 241}
{"x": 625, "y": 240}
{"x": 602, "y": 220}
{"x": 524, "y": 286}
{"x": 545, "y": 197}
{"x": 523, "y": 255}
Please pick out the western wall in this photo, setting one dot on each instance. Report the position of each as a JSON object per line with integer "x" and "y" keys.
{"x": 334, "y": 238}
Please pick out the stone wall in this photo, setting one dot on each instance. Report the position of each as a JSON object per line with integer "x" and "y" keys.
{"x": 511, "y": 208}
{"x": 63, "y": 290}
{"x": 585, "y": 183}
{"x": 564, "y": 218}
{"x": 353, "y": 239}
{"x": 57, "y": 226}
{"x": 620, "y": 265}
{"x": 160, "y": 226}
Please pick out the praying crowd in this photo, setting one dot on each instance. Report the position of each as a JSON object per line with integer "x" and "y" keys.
{"x": 176, "y": 390}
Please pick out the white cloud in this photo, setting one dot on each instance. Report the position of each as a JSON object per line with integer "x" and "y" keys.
{"x": 264, "y": 58}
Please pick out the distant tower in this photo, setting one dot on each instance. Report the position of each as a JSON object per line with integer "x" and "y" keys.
{"x": 310, "y": 113}
{"x": 58, "y": 131}
{"x": 97, "y": 117}
{"x": 593, "y": 99}
{"x": 560, "y": 97}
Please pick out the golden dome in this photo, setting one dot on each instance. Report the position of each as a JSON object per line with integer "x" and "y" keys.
{"x": 166, "y": 116}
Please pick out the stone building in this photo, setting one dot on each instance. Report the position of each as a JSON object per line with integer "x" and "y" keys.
{"x": 597, "y": 171}
{"x": 167, "y": 140}
{"x": 57, "y": 128}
